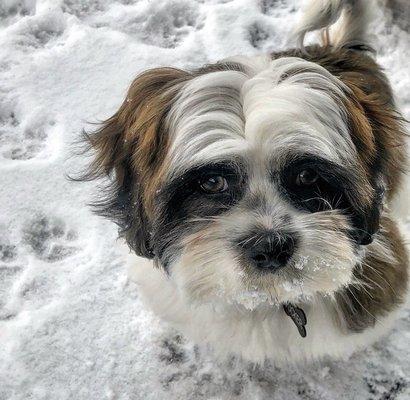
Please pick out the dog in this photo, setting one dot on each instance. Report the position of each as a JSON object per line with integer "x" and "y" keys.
{"x": 254, "y": 194}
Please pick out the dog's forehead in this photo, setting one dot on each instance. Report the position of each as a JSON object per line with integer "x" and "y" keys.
{"x": 269, "y": 108}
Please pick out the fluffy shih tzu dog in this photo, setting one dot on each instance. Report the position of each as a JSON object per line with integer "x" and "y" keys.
{"x": 257, "y": 189}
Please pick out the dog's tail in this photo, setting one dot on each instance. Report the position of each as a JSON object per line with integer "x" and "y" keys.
{"x": 350, "y": 20}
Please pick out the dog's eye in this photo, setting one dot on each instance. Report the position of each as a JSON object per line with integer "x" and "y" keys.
{"x": 307, "y": 177}
{"x": 213, "y": 184}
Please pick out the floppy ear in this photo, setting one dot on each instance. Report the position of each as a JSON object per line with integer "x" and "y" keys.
{"x": 379, "y": 136}
{"x": 367, "y": 222}
{"x": 129, "y": 148}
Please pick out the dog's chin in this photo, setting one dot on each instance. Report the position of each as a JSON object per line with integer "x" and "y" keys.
{"x": 216, "y": 276}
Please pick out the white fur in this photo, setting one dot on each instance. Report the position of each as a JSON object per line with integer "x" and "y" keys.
{"x": 255, "y": 329}
{"x": 206, "y": 121}
{"x": 296, "y": 105}
{"x": 287, "y": 103}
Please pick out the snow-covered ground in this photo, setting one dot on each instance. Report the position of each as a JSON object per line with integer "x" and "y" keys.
{"x": 71, "y": 325}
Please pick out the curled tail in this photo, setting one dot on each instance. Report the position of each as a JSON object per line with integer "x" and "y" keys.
{"x": 350, "y": 20}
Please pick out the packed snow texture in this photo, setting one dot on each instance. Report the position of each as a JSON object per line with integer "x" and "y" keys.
{"x": 71, "y": 324}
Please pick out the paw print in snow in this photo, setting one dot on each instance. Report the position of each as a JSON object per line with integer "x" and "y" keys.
{"x": 11, "y": 10}
{"x": 168, "y": 26}
{"x": 8, "y": 252}
{"x": 174, "y": 352}
{"x": 23, "y": 140}
{"x": 258, "y": 36}
{"x": 159, "y": 23}
{"x": 272, "y": 7}
{"x": 49, "y": 239}
{"x": 81, "y": 8}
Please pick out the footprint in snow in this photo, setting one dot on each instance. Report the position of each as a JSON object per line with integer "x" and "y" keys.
{"x": 163, "y": 24}
{"x": 49, "y": 239}
{"x": 259, "y": 36}
{"x": 173, "y": 351}
{"x": 11, "y": 10}
{"x": 168, "y": 26}
{"x": 23, "y": 140}
{"x": 272, "y": 7}
{"x": 81, "y": 8}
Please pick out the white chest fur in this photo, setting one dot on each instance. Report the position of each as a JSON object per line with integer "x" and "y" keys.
{"x": 264, "y": 332}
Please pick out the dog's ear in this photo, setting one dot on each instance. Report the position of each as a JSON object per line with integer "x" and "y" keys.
{"x": 378, "y": 133}
{"x": 128, "y": 149}
{"x": 367, "y": 221}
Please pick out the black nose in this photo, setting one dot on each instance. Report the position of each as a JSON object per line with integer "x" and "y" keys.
{"x": 271, "y": 251}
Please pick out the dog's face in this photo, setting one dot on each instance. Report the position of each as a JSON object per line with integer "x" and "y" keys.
{"x": 247, "y": 181}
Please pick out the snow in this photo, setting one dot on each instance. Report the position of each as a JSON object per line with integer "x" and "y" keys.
{"x": 71, "y": 324}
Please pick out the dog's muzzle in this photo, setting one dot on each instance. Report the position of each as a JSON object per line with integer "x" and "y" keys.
{"x": 270, "y": 251}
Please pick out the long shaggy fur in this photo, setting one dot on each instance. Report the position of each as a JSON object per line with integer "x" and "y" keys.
{"x": 256, "y": 125}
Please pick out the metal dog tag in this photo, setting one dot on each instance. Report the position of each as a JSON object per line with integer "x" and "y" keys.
{"x": 298, "y": 316}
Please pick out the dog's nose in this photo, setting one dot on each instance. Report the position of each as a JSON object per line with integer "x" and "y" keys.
{"x": 271, "y": 252}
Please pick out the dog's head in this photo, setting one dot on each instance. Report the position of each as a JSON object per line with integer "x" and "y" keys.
{"x": 247, "y": 180}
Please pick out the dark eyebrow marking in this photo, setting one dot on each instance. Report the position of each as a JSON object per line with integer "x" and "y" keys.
{"x": 232, "y": 166}
{"x": 336, "y": 188}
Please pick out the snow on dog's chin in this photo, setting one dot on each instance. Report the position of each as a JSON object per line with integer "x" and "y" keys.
{"x": 316, "y": 275}
{"x": 209, "y": 272}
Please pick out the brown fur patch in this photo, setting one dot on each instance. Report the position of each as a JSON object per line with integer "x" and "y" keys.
{"x": 150, "y": 98}
{"x": 131, "y": 145}
{"x": 380, "y": 282}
